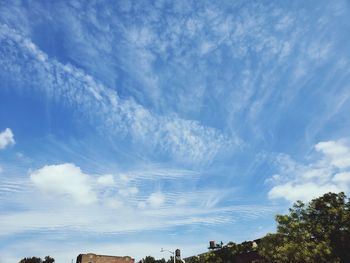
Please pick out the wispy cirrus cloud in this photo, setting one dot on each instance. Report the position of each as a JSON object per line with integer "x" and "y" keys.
{"x": 278, "y": 56}
{"x": 186, "y": 140}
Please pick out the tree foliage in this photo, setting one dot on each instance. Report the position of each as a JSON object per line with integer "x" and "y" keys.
{"x": 150, "y": 259}
{"x": 227, "y": 254}
{"x": 47, "y": 259}
{"x": 31, "y": 260}
{"x": 318, "y": 232}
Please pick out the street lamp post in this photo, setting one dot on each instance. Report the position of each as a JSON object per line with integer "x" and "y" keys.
{"x": 171, "y": 252}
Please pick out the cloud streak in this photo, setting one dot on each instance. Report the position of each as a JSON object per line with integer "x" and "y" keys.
{"x": 89, "y": 203}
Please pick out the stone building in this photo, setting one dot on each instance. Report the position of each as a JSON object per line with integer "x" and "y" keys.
{"x": 93, "y": 258}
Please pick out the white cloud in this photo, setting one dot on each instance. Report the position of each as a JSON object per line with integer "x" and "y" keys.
{"x": 336, "y": 151}
{"x": 332, "y": 148}
{"x": 128, "y": 191}
{"x": 298, "y": 181}
{"x": 302, "y": 191}
{"x": 156, "y": 199}
{"x": 114, "y": 203}
{"x": 64, "y": 179}
{"x": 342, "y": 178}
{"x": 6, "y": 138}
{"x": 106, "y": 180}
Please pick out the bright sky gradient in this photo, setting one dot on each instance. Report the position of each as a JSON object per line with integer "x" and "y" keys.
{"x": 127, "y": 126}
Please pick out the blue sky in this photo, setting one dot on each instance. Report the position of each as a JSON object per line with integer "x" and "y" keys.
{"x": 127, "y": 126}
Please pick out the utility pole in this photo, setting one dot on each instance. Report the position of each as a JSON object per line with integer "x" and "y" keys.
{"x": 171, "y": 252}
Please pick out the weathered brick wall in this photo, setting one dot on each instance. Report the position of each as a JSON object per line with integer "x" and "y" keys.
{"x": 93, "y": 258}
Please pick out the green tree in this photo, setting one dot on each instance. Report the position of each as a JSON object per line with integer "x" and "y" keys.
{"x": 330, "y": 215}
{"x": 318, "y": 232}
{"x": 47, "y": 259}
{"x": 31, "y": 260}
{"x": 211, "y": 257}
{"x": 226, "y": 254}
{"x": 150, "y": 259}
